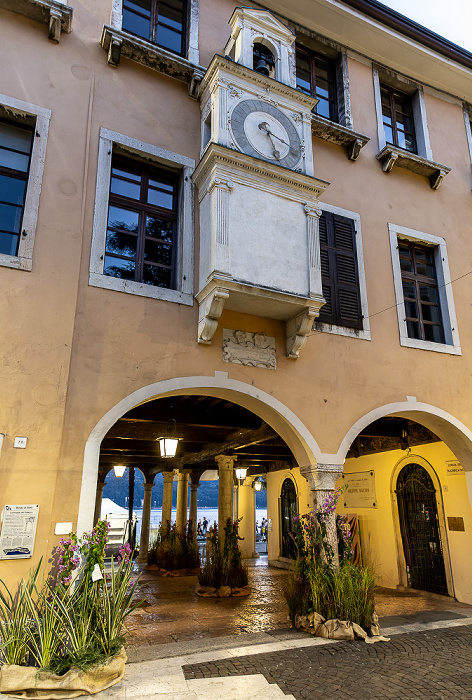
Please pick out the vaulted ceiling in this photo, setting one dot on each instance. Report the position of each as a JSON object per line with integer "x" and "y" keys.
{"x": 212, "y": 426}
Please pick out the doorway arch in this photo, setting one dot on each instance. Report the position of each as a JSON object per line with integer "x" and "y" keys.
{"x": 420, "y": 529}
{"x": 298, "y": 438}
{"x": 288, "y": 508}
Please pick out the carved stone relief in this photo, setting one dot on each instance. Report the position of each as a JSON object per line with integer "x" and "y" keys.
{"x": 249, "y": 349}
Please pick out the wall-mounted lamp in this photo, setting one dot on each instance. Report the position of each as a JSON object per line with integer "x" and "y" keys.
{"x": 119, "y": 470}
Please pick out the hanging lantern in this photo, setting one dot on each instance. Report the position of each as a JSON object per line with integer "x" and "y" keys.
{"x": 257, "y": 485}
{"x": 240, "y": 473}
{"x": 168, "y": 446}
{"x": 119, "y": 470}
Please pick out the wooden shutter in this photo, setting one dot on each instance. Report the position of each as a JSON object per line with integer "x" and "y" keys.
{"x": 339, "y": 273}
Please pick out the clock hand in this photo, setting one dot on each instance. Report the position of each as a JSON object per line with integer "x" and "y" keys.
{"x": 263, "y": 126}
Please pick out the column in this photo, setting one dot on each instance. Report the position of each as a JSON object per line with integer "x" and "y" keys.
{"x": 182, "y": 498}
{"x": 167, "y": 498}
{"x": 322, "y": 480}
{"x": 145, "y": 523}
{"x": 225, "y": 491}
{"x": 247, "y": 526}
{"x": 98, "y": 502}
{"x": 193, "y": 505}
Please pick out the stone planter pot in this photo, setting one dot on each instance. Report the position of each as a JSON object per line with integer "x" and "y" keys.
{"x": 31, "y": 682}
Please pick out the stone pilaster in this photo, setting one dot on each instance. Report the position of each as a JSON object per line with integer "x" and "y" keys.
{"x": 322, "y": 480}
{"x": 225, "y": 491}
{"x": 313, "y": 214}
{"x": 145, "y": 523}
{"x": 193, "y": 505}
{"x": 167, "y": 498}
{"x": 182, "y": 498}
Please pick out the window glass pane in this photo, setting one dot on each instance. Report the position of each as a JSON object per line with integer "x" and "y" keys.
{"x": 409, "y": 289}
{"x": 10, "y": 218}
{"x": 430, "y": 313}
{"x": 425, "y": 269}
{"x": 14, "y": 161}
{"x": 412, "y": 329}
{"x": 12, "y": 190}
{"x": 388, "y": 134}
{"x": 136, "y": 24}
{"x": 124, "y": 219}
{"x": 8, "y": 243}
{"x": 169, "y": 38}
{"x": 15, "y": 137}
{"x": 121, "y": 244}
{"x": 132, "y": 190}
{"x": 158, "y": 252}
{"x": 410, "y": 144}
{"x": 303, "y": 82}
{"x": 323, "y": 107}
{"x": 157, "y": 276}
{"x": 115, "y": 267}
{"x": 141, "y": 6}
{"x": 387, "y": 118}
{"x": 160, "y": 199}
{"x": 129, "y": 174}
{"x": 428, "y": 293}
{"x": 406, "y": 264}
{"x": 322, "y": 90}
{"x": 157, "y": 228}
{"x": 171, "y": 14}
{"x": 161, "y": 183}
{"x": 433, "y": 333}
{"x": 410, "y": 309}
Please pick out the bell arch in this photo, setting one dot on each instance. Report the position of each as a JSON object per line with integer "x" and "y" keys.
{"x": 288, "y": 425}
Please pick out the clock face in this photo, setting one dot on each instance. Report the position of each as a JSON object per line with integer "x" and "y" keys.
{"x": 263, "y": 131}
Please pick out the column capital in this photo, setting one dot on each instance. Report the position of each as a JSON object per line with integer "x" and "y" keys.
{"x": 193, "y": 486}
{"x": 322, "y": 477}
{"x": 225, "y": 461}
{"x": 148, "y": 486}
{"x": 168, "y": 477}
{"x": 313, "y": 210}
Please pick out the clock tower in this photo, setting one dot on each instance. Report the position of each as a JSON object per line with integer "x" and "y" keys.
{"x": 259, "y": 210}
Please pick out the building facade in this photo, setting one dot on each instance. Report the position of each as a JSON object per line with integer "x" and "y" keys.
{"x": 209, "y": 213}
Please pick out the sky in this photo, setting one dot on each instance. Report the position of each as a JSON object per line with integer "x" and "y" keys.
{"x": 451, "y": 19}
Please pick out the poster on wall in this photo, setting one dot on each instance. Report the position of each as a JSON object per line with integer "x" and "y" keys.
{"x": 18, "y": 531}
{"x": 360, "y": 491}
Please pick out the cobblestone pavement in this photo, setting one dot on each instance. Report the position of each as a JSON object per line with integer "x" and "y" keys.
{"x": 435, "y": 664}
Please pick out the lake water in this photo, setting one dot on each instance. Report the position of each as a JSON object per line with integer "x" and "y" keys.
{"x": 211, "y": 515}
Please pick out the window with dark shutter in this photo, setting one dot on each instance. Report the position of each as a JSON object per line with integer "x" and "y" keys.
{"x": 339, "y": 272}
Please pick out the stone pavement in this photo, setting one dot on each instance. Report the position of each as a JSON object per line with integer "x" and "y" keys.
{"x": 430, "y": 660}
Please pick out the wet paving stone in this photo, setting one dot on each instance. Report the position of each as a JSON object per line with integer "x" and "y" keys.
{"x": 433, "y": 664}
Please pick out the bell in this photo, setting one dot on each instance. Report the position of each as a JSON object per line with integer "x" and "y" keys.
{"x": 261, "y": 67}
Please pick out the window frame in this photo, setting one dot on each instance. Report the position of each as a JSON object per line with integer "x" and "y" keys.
{"x": 392, "y": 92}
{"x": 364, "y": 333}
{"x": 313, "y": 56}
{"x": 9, "y": 108}
{"x": 190, "y": 34}
{"x": 111, "y": 144}
{"x": 446, "y": 299}
{"x": 396, "y": 82}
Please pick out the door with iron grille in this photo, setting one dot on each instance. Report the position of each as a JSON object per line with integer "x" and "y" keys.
{"x": 289, "y": 508}
{"x": 419, "y": 526}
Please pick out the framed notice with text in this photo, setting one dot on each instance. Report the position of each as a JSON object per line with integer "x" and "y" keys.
{"x": 18, "y": 531}
{"x": 360, "y": 491}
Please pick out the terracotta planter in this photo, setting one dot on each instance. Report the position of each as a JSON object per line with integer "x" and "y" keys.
{"x": 30, "y": 682}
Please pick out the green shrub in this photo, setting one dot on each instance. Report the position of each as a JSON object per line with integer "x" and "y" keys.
{"x": 223, "y": 564}
{"x": 173, "y": 550}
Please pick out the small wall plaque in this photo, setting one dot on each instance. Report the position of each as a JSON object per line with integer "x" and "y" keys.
{"x": 249, "y": 349}
{"x": 456, "y": 524}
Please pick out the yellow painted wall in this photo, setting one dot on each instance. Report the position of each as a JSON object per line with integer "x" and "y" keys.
{"x": 380, "y": 544}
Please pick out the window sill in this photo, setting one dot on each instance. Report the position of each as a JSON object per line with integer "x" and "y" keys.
{"x": 143, "y": 290}
{"x": 55, "y": 14}
{"x": 340, "y": 135}
{"x": 120, "y": 44}
{"x": 341, "y": 330}
{"x": 17, "y": 262}
{"x": 392, "y": 155}
{"x": 428, "y": 345}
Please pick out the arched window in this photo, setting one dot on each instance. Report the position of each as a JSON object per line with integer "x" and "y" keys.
{"x": 263, "y": 60}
